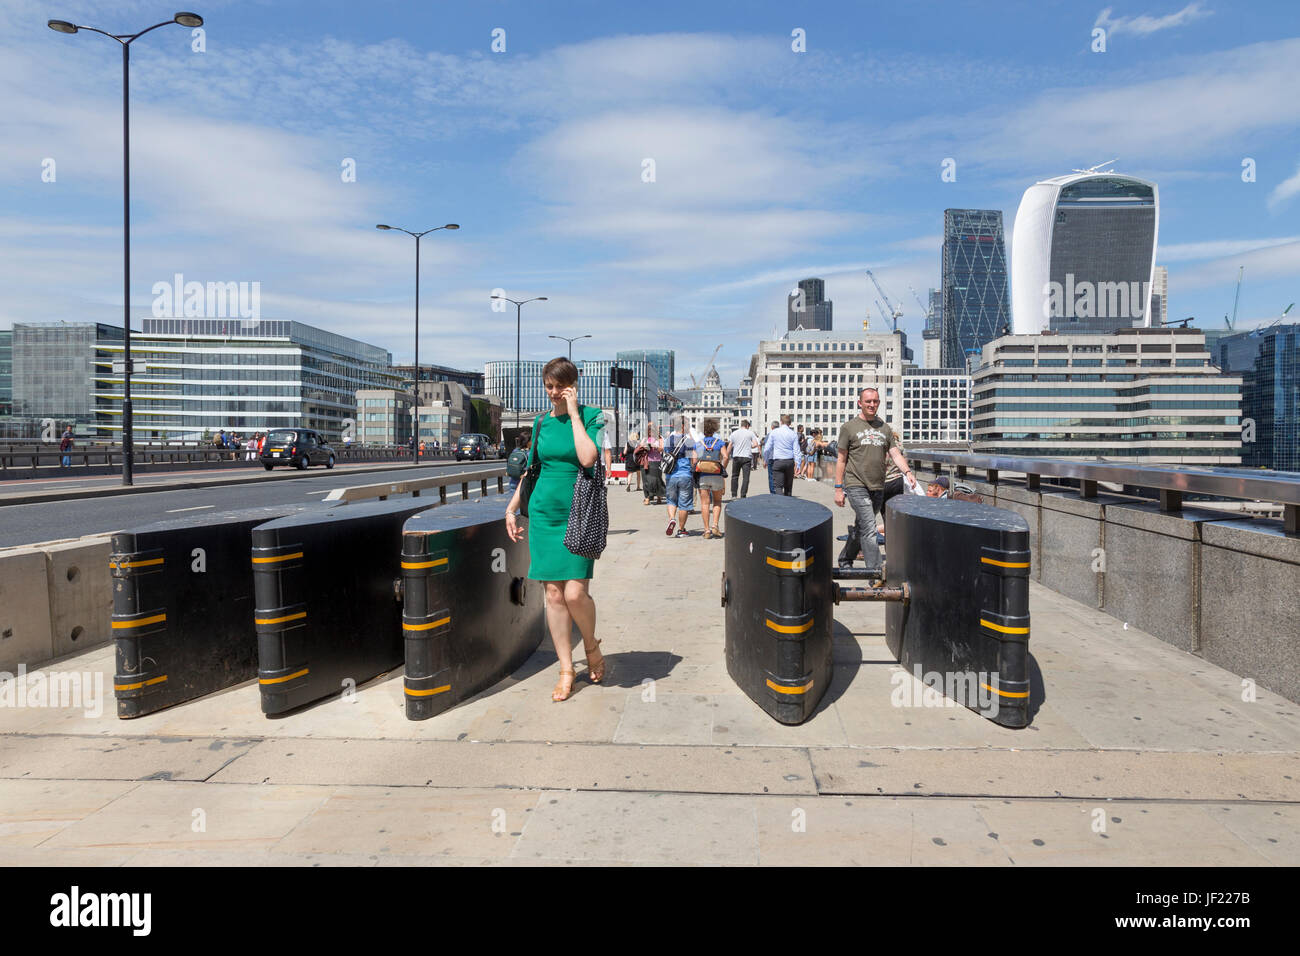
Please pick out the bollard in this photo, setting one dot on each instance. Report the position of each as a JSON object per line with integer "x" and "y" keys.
{"x": 182, "y": 619}
{"x": 776, "y": 590}
{"x": 966, "y": 566}
{"x": 328, "y": 611}
{"x": 469, "y": 616}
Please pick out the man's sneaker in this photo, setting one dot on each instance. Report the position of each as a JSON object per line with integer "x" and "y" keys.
{"x": 672, "y": 524}
{"x": 681, "y": 533}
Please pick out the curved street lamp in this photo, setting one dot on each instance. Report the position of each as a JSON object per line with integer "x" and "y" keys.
{"x": 418, "y": 236}
{"x": 518, "y": 306}
{"x": 565, "y": 338}
{"x": 184, "y": 19}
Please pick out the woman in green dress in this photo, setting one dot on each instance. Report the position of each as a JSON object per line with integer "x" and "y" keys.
{"x": 564, "y": 439}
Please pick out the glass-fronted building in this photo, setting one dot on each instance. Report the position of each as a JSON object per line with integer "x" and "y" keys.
{"x": 936, "y": 406}
{"x": 54, "y": 365}
{"x": 663, "y": 360}
{"x": 976, "y": 300}
{"x": 1148, "y": 396}
{"x": 383, "y": 416}
{"x": 472, "y": 381}
{"x": 1083, "y": 254}
{"x": 1268, "y": 362}
{"x": 6, "y": 372}
{"x": 815, "y": 313}
{"x": 196, "y": 376}
{"x": 593, "y": 386}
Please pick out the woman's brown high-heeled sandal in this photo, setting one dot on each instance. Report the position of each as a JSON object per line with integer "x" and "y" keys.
{"x": 596, "y": 671}
{"x": 564, "y": 687}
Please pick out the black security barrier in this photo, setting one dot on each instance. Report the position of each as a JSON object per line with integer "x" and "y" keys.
{"x": 967, "y": 621}
{"x": 776, "y": 590}
{"x": 328, "y": 608}
{"x": 182, "y": 618}
{"x": 469, "y": 617}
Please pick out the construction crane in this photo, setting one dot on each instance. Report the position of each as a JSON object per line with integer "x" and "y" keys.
{"x": 894, "y": 313}
{"x": 926, "y": 310}
{"x": 1256, "y": 332}
{"x": 705, "y": 373}
{"x": 1232, "y": 326}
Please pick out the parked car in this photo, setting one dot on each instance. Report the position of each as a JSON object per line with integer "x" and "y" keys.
{"x": 300, "y": 447}
{"x": 472, "y": 446}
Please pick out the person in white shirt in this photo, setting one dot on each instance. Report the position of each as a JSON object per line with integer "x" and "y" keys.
{"x": 740, "y": 447}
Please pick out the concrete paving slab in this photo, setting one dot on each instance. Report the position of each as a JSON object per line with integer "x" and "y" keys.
{"x": 414, "y": 821}
{"x": 32, "y": 811}
{"x": 127, "y": 758}
{"x": 444, "y": 764}
{"x": 1272, "y": 830}
{"x": 176, "y": 815}
{"x": 666, "y": 718}
{"x": 1137, "y": 834}
{"x": 1056, "y": 773}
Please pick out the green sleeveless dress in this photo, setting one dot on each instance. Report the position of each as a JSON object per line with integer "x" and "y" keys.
{"x": 548, "y": 507}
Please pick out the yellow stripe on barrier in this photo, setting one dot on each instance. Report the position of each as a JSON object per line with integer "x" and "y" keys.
{"x": 1006, "y": 564}
{"x": 156, "y": 619}
{"x": 1005, "y": 693}
{"x": 281, "y": 680}
{"x": 426, "y": 693}
{"x": 791, "y": 628}
{"x": 118, "y": 565}
{"x": 790, "y": 690}
{"x": 143, "y": 683}
{"x": 413, "y": 565}
{"x": 282, "y": 557}
{"x": 425, "y": 627}
{"x": 796, "y": 565}
{"x": 279, "y": 620}
{"x": 1004, "y": 630}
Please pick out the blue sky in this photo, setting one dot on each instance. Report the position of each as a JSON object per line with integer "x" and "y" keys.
{"x": 770, "y": 165}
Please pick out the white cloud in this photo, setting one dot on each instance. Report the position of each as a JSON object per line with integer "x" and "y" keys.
{"x": 1287, "y": 189}
{"x": 1217, "y": 249}
{"x": 1144, "y": 24}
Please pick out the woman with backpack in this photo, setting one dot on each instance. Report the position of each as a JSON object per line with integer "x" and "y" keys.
{"x": 711, "y": 476}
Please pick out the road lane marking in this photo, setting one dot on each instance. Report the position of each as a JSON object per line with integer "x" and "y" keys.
{"x": 195, "y": 508}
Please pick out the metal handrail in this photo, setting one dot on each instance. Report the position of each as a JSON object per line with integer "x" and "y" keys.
{"x": 1172, "y": 482}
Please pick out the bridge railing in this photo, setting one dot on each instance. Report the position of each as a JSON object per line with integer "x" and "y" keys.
{"x": 1171, "y": 482}
{"x": 414, "y": 486}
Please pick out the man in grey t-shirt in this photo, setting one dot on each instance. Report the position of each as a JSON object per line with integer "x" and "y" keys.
{"x": 866, "y": 443}
{"x": 740, "y": 446}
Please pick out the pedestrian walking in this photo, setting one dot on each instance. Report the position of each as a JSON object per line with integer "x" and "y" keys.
{"x": 629, "y": 459}
{"x": 783, "y": 456}
{"x": 766, "y": 457}
{"x": 740, "y": 448}
{"x": 650, "y": 452}
{"x": 711, "y": 476}
{"x": 564, "y": 439}
{"x": 679, "y": 446}
{"x": 865, "y": 443}
{"x": 65, "y": 448}
{"x": 517, "y": 463}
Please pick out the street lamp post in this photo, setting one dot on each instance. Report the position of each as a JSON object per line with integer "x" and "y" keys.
{"x": 570, "y": 341}
{"x": 518, "y": 306}
{"x": 126, "y": 39}
{"x": 418, "y": 235}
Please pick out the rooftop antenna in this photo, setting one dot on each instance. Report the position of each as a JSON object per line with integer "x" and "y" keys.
{"x": 1232, "y": 326}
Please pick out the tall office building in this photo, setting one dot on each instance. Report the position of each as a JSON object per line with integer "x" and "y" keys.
{"x": 1268, "y": 361}
{"x": 6, "y": 372}
{"x": 194, "y": 376}
{"x": 664, "y": 361}
{"x": 808, "y": 308}
{"x": 1147, "y": 396}
{"x": 932, "y": 334}
{"x": 815, "y": 377}
{"x": 54, "y": 370}
{"x": 1083, "y": 254}
{"x": 936, "y": 407}
{"x": 1160, "y": 297}
{"x": 975, "y": 297}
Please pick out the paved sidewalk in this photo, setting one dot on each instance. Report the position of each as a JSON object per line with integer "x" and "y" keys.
{"x": 1138, "y": 754}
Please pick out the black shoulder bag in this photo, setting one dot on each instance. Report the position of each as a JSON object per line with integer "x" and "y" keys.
{"x": 529, "y": 480}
